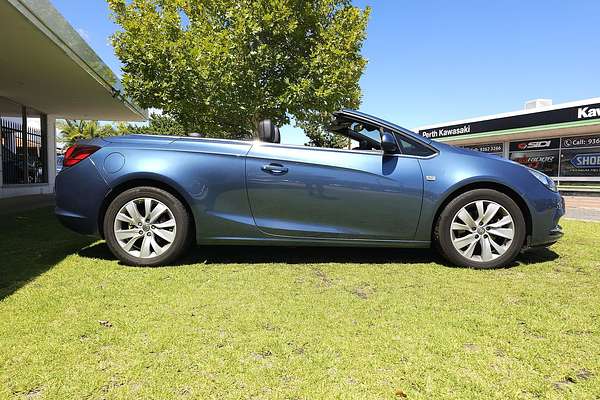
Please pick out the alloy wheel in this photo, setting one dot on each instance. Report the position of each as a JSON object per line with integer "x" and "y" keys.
{"x": 145, "y": 227}
{"x": 482, "y": 231}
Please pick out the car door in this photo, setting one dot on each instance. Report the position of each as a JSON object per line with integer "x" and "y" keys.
{"x": 303, "y": 192}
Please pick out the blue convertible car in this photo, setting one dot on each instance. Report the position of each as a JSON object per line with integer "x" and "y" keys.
{"x": 151, "y": 196}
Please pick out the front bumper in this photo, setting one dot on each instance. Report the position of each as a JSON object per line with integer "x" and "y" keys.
{"x": 545, "y": 223}
{"x": 553, "y": 236}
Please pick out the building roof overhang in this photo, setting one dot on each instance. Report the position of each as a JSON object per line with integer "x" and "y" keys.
{"x": 541, "y": 131}
{"x": 45, "y": 64}
{"x": 571, "y": 127}
{"x": 578, "y": 103}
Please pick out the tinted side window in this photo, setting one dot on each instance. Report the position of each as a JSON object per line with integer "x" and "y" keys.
{"x": 412, "y": 147}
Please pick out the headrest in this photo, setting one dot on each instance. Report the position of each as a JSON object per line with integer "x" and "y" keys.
{"x": 268, "y": 132}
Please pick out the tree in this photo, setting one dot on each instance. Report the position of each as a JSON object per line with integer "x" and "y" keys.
{"x": 220, "y": 66}
{"x": 73, "y": 130}
{"x": 320, "y": 137}
{"x": 159, "y": 125}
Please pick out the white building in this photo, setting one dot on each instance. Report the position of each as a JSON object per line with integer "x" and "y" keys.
{"x": 47, "y": 71}
{"x": 561, "y": 140}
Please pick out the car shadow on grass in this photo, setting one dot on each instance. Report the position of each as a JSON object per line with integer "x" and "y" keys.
{"x": 537, "y": 255}
{"x": 313, "y": 255}
{"x": 32, "y": 242}
{"x": 224, "y": 254}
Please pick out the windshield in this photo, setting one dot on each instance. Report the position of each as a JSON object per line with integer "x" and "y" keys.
{"x": 347, "y": 114}
{"x": 362, "y": 136}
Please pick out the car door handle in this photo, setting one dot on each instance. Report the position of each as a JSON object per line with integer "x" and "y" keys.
{"x": 275, "y": 169}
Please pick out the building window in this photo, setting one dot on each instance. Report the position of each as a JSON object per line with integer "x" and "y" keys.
{"x": 566, "y": 159}
{"x": 539, "y": 154}
{"x": 24, "y": 144}
{"x": 580, "y": 157}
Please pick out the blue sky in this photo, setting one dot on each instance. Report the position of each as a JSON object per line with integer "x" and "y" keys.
{"x": 435, "y": 61}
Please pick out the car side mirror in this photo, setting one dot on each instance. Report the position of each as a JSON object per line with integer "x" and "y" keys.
{"x": 388, "y": 143}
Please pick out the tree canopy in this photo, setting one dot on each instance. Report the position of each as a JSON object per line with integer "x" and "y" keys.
{"x": 159, "y": 124}
{"x": 220, "y": 66}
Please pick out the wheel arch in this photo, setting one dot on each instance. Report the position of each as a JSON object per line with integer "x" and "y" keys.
{"x": 514, "y": 195}
{"x": 144, "y": 181}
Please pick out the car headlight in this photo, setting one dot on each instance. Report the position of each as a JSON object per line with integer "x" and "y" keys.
{"x": 545, "y": 179}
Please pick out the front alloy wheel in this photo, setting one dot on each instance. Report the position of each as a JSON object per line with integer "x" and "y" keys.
{"x": 482, "y": 228}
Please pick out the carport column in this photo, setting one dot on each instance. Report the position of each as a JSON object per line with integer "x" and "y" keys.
{"x": 1, "y": 151}
{"x": 51, "y": 151}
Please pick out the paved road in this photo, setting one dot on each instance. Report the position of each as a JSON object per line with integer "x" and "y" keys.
{"x": 581, "y": 207}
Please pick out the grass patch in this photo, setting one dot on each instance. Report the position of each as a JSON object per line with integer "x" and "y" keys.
{"x": 294, "y": 323}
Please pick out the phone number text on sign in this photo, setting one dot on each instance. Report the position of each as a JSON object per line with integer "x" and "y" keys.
{"x": 581, "y": 141}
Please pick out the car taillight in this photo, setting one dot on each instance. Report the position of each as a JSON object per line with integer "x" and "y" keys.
{"x": 77, "y": 153}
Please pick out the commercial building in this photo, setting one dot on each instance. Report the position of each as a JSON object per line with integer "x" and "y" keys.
{"x": 560, "y": 140}
{"x": 47, "y": 71}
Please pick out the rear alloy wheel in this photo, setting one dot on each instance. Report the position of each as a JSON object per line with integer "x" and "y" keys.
{"x": 481, "y": 229}
{"x": 146, "y": 226}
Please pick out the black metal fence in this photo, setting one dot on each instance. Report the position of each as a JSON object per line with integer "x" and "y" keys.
{"x": 23, "y": 154}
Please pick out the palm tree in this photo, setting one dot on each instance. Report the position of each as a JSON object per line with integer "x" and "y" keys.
{"x": 73, "y": 130}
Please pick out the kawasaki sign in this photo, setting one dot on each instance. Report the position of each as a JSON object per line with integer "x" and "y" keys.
{"x": 561, "y": 115}
{"x": 587, "y": 112}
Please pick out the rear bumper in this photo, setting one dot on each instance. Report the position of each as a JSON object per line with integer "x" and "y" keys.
{"x": 80, "y": 192}
{"x": 75, "y": 222}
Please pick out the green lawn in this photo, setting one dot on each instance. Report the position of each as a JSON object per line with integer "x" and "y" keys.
{"x": 293, "y": 323}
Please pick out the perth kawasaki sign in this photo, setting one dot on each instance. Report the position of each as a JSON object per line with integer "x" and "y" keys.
{"x": 561, "y": 115}
{"x": 443, "y": 132}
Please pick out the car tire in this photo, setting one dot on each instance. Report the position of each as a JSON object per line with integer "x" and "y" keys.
{"x": 481, "y": 229}
{"x": 147, "y": 226}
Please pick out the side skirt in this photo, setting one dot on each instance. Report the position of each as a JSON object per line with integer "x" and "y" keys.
{"x": 314, "y": 242}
